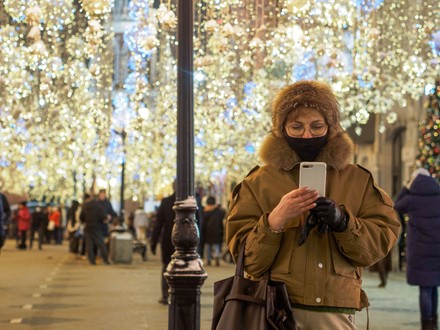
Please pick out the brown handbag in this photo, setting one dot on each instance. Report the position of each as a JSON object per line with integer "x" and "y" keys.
{"x": 241, "y": 303}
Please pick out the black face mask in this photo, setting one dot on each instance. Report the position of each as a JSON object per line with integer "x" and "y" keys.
{"x": 307, "y": 149}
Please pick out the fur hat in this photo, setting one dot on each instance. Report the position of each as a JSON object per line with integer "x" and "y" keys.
{"x": 308, "y": 93}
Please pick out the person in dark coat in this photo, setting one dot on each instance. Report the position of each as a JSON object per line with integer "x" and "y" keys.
{"x": 213, "y": 216}
{"x": 105, "y": 204}
{"x": 93, "y": 215}
{"x": 162, "y": 231}
{"x": 5, "y": 214}
{"x": 420, "y": 200}
{"x": 383, "y": 267}
{"x": 199, "y": 218}
{"x": 73, "y": 226}
{"x": 39, "y": 220}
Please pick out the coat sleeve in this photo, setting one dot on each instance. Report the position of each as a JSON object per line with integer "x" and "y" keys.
{"x": 247, "y": 221}
{"x": 101, "y": 214}
{"x": 401, "y": 203}
{"x": 157, "y": 229}
{"x": 372, "y": 231}
{"x": 6, "y": 207}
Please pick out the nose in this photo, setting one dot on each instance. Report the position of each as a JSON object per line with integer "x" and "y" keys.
{"x": 307, "y": 134}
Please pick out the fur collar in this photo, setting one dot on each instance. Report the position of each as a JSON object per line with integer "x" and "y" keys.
{"x": 338, "y": 152}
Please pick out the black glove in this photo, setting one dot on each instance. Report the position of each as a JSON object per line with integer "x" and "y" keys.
{"x": 311, "y": 222}
{"x": 329, "y": 213}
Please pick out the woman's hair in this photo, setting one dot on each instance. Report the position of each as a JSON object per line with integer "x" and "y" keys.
{"x": 210, "y": 200}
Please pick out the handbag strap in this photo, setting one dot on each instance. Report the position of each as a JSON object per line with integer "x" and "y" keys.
{"x": 239, "y": 268}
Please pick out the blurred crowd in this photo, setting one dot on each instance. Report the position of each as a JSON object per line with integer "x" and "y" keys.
{"x": 87, "y": 226}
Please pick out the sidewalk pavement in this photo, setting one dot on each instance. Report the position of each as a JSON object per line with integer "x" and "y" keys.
{"x": 52, "y": 289}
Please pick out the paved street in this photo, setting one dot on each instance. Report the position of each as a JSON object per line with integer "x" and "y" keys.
{"x": 52, "y": 289}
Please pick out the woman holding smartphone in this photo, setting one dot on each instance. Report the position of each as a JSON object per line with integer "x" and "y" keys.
{"x": 316, "y": 245}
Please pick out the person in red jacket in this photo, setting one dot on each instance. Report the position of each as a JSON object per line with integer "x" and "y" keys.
{"x": 55, "y": 216}
{"x": 23, "y": 223}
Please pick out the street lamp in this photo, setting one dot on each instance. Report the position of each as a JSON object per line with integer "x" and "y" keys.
{"x": 185, "y": 274}
{"x": 123, "y": 135}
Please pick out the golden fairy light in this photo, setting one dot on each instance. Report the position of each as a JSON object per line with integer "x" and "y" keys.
{"x": 54, "y": 117}
{"x": 56, "y": 99}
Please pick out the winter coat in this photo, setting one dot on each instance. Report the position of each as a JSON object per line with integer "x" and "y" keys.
{"x": 140, "y": 219}
{"x": 213, "y": 225}
{"x": 107, "y": 207}
{"x": 5, "y": 213}
{"x": 92, "y": 215}
{"x": 23, "y": 219}
{"x": 326, "y": 271}
{"x": 39, "y": 220}
{"x": 73, "y": 219}
{"x": 163, "y": 228}
{"x": 55, "y": 216}
{"x": 421, "y": 203}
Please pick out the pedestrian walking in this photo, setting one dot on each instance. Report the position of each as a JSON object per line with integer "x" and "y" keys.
{"x": 73, "y": 227}
{"x": 23, "y": 224}
{"x": 50, "y": 228}
{"x": 162, "y": 233}
{"x": 111, "y": 215}
{"x": 419, "y": 199}
{"x": 39, "y": 219}
{"x": 316, "y": 245}
{"x": 5, "y": 214}
{"x": 141, "y": 223}
{"x": 213, "y": 216}
{"x": 93, "y": 216}
{"x": 382, "y": 267}
{"x": 55, "y": 218}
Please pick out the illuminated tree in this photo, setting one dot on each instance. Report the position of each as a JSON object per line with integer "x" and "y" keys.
{"x": 429, "y": 134}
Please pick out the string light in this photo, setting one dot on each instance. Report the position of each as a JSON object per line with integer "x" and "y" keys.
{"x": 56, "y": 111}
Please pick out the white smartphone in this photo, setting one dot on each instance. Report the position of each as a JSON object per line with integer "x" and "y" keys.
{"x": 313, "y": 175}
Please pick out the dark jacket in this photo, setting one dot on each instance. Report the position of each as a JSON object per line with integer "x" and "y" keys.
{"x": 5, "y": 213}
{"x": 6, "y": 208}
{"x": 39, "y": 220}
{"x": 421, "y": 203}
{"x": 93, "y": 215}
{"x": 163, "y": 228}
{"x": 213, "y": 225}
{"x": 107, "y": 207}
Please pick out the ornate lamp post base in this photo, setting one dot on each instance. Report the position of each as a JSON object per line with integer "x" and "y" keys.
{"x": 185, "y": 274}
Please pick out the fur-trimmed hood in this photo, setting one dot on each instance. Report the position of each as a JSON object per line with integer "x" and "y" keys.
{"x": 276, "y": 152}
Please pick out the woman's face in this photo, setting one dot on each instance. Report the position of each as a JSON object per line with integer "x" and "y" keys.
{"x": 305, "y": 123}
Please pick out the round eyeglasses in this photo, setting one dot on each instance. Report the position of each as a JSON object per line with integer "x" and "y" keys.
{"x": 298, "y": 130}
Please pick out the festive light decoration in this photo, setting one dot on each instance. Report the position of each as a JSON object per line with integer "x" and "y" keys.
{"x": 54, "y": 99}
{"x": 429, "y": 134}
{"x": 57, "y": 112}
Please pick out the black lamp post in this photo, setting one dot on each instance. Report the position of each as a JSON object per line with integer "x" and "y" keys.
{"x": 185, "y": 274}
{"x": 75, "y": 195}
{"x": 123, "y": 135}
